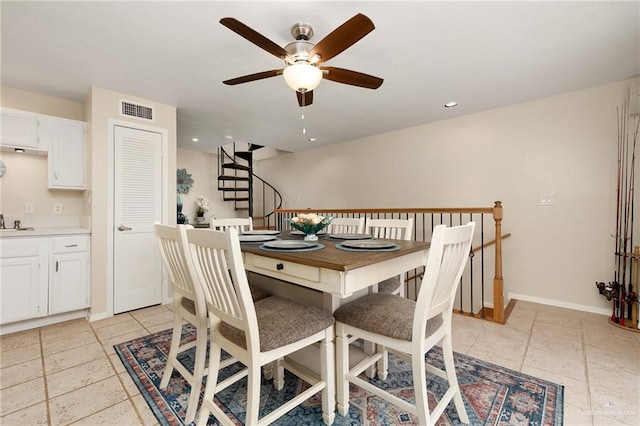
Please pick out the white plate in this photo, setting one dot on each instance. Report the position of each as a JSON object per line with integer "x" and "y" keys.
{"x": 369, "y": 244}
{"x": 261, "y": 232}
{"x": 350, "y": 236}
{"x": 255, "y": 238}
{"x": 296, "y": 232}
{"x": 289, "y": 244}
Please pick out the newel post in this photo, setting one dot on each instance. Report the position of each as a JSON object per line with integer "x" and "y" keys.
{"x": 498, "y": 282}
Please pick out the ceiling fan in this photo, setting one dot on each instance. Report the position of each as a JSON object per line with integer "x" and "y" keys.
{"x": 302, "y": 58}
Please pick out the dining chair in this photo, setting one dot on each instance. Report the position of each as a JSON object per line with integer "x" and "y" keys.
{"x": 257, "y": 333}
{"x": 189, "y": 305}
{"x": 241, "y": 224}
{"x": 410, "y": 328}
{"x": 396, "y": 229}
{"x": 346, "y": 225}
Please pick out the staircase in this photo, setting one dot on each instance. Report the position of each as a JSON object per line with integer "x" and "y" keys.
{"x": 240, "y": 185}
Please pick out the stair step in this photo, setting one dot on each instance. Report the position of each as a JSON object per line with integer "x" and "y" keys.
{"x": 245, "y": 155}
{"x": 234, "y": 178}
{"x": 243, "y": 209}
{"x": 233, "y": 189}
{"x": 234, "y": 199}
{"x": 236, "y": 166}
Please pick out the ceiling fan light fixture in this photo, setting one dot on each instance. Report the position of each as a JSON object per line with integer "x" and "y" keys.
{"x": 302, "y": 76}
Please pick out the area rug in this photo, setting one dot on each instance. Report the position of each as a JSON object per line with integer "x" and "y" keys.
{"x": 493, "y": 395}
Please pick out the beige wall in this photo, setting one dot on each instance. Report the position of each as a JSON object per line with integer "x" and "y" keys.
{"x": 203, "y": 169}
{"x": 104, "y": 105}
{"x": 26, "y": 178}
{"x": 565, "y": 145}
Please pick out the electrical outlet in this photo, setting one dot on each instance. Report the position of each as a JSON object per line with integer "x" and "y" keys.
{"x": 29, "y": 208}
{"x": 57, "y": 208}
{"x": 545, "y": 200}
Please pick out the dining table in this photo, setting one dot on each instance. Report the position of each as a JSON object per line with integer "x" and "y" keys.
{"x": 336, "y": 273}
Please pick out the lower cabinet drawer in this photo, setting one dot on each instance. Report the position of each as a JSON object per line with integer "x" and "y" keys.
{"x": 20, "y": 247}
{"x": 70, "y": 244}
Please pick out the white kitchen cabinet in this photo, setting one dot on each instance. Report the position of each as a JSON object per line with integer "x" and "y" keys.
{"x": 67, "y": 154}
{"x": 69, "y": 274}
{"x": 24, "y": 286}
{"x": 23, "y": 129}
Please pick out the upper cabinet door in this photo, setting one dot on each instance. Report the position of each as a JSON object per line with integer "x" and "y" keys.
{"x": 20, "y": 129}
{"x": 67, "y": 154}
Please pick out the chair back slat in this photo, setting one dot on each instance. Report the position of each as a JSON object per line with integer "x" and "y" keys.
{"x": 394, "y": 229}
{"x": 346, "y": 225}
{"x": 241, "y": 224}
{"x": 217, "y": 262}
{"x": 448, "y": 255}
{"x": 171, "y": 241}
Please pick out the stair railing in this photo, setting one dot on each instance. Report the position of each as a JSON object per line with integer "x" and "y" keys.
{"x": 269, "y": 198}
{"x": 485, "y": 260}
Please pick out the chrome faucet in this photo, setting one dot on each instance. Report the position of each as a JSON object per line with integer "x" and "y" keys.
{"x": 16, "y": 224}
{"x": 2, "y": 221}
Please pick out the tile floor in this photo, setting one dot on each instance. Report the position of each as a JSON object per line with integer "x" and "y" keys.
{"x": 69, "y": 373}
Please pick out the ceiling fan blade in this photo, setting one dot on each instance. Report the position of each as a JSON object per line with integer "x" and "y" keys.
{"x": 354, "y": 78}
{"x": 252, "y": 77}
{"x": 305, "y": 98}
{"x": 342, "y": 37}
{"x": 254, "y": 37}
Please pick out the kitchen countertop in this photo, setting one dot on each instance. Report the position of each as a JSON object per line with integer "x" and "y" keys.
{"x": 45, "y": 231}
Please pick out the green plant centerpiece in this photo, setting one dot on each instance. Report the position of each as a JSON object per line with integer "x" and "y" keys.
{"x": 310, "y": 224}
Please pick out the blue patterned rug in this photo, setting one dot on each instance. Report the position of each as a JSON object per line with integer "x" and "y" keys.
{"x": 493, "y": 395}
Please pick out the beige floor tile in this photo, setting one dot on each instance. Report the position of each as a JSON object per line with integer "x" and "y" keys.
{"x": 64, "y": 329}
{"x": 20, "y": 373}
{"x": 512, "y": 344}
{"x": 114, "y": 330}
{"x": 545, "y": 341}
{"x": 605, "y": 338}
{"x": 160, "y": 327}
{"x": 19, "y": 340}
{"x": 107, "y": 345}
{"x": 621, "y": 357}
{"x": 559, "y": 316}
{"x": 614, "y": 379}
{"x": 128, "y": 384}
{"x": 73, "y": 340}
{"x": 145, "y": 412}
{"x": 576, "y": 416}
{"x": 523, "y": 323}
{"x": 33, "y": 415}
{"x": 117, "y": 363}
{"x": 486, "y": 353}
{"x": 499, "y": 332}
{"x": 610, "y": 406}
{"x": 86, "y": 401}
{"x": 79, "y": 376}
{"x": 116, "y": 319}
{"x": 121, "y": 414}
{"x": 568, "y": 333}
{"x": 158, "y": 318}
{"x": 67, "y": 359}
{"x": 21, "y": 396}
{"x": 556, "y": 360}
{"x": 150, "y": 311}
{"x": 20, "y": 355}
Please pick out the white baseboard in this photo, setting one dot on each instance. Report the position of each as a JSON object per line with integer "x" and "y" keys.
{"x": 99, "y": 316}
{"x": 551, "y": 302}
{"x": 42, "y": 321}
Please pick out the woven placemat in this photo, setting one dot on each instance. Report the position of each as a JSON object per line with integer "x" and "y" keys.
{"x": 341, "y": 247}
{"x": 314, "y": 248}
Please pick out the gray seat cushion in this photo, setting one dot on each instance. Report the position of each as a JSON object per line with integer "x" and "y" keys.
{"x": 281, "y": 322}
{"x": 389, "y": 285}
{"x": 189, "y": 305}
{"x": 385, "y": 314}
{"x": 258, "y": 293}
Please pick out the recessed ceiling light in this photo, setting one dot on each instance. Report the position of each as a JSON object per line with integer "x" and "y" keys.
{"x": 450, "y": 104}
{"x": 312, "y": 139}
{"x": 195, "y": 139}
{"x": 18, "y": 150}
{"x": 228, "y": 137}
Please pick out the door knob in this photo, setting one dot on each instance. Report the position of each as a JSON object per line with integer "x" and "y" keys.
{"x": 123, "y": 228}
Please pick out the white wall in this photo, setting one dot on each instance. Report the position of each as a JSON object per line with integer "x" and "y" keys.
{"x": 203, "y": 168}
{"x": 565, "y": 145}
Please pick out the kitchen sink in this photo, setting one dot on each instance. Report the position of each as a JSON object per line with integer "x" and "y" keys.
{"x": 28, "y": 228}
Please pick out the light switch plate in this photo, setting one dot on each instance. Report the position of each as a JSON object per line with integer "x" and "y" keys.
{"x": 29, "y": 208}
{"x": 57, "y": 208}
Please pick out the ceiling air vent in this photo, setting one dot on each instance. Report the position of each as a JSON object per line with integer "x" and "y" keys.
{"x": 130, "y": 109}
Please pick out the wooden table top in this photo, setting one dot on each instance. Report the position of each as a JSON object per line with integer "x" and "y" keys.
{"x": 333, "y": 258}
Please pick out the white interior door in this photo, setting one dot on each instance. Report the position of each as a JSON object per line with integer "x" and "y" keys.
{"x": 137, "y": 205}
